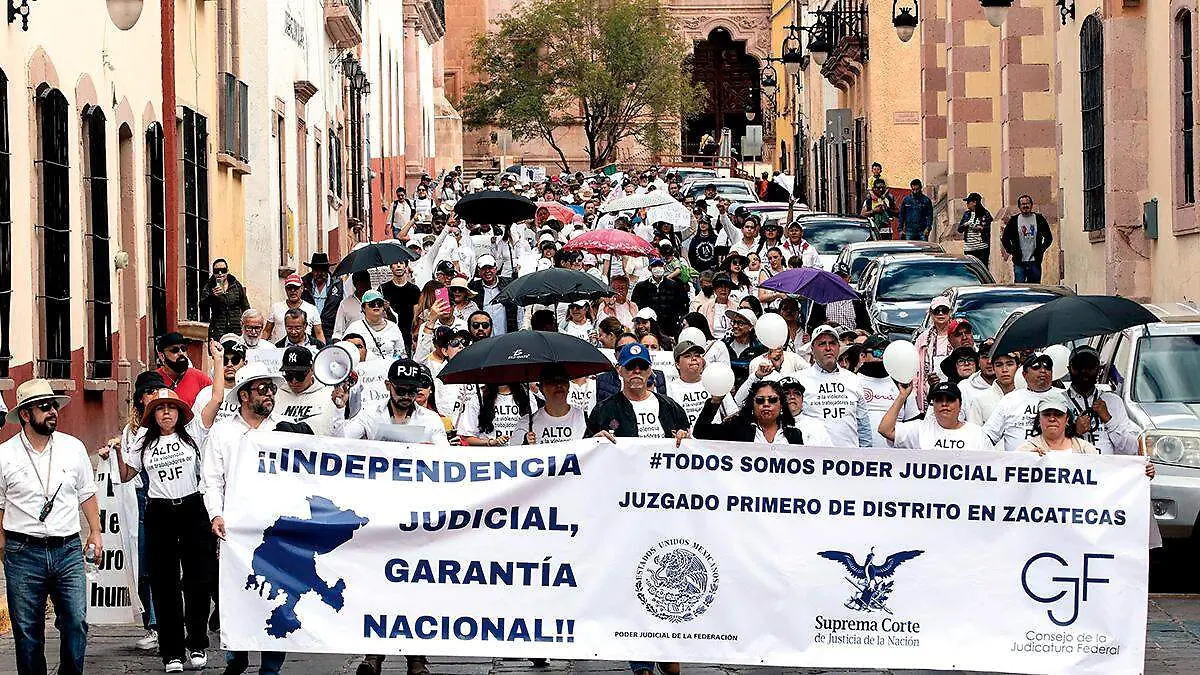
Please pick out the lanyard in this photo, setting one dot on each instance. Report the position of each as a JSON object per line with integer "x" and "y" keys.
{"x": 45, "y": 485}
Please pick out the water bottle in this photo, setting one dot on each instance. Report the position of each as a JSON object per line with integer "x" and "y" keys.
{"x": 90, "y": 569}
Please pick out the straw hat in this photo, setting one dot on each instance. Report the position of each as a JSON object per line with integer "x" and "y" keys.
{"x": 31, "y": 393}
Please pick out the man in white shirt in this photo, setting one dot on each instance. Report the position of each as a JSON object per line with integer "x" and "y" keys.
{"x": 797, "y": 246}
{"x": 350, "y": 309}
{"x": 293, "y": 286}
{"x": 404, "y": 378}
{"x": 252, "y": 331}
{"x": 833, "y": 395}
{"x": 942, "y": 428}
{"x": 254, "y": 391}
{"x": 984, "y": 403}
{"x": 1012, "y": 421}
{"x": 557, "y": 420}
{"x": 46, "y": 481}
{"x": 233, "y": 356}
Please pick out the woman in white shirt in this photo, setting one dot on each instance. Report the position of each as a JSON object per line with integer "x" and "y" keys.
{"x": 383, "y": 337}
{"x": 178, "y": 534}
{"x": 579, "y": 322}
{"x": 497, "y": 414}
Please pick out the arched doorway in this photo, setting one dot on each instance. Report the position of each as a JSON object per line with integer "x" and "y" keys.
{"x": 729, "y": 77}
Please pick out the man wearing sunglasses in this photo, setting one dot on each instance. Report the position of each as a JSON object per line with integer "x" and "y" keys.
{"x": 384, "y": 338}
{"x": 405, "y": 377}
{"x": 46, "y": 481}
{"x": 176, "y": 370}
{"x": 253, "y": 392}
{"x": 636, "y": 411}
{"x": 303, "y": 398}
{"x": 232, "y": 354}
{"x": 1012, "y": 421}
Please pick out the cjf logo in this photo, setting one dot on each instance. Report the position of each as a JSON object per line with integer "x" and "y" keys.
{"x": 870, "y": 590}
{"x": 1052, "y": 567}
{"x": 676, "y": 580}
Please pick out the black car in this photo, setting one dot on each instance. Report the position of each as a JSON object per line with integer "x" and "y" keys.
{"x": 898, "y": 287}
{"x": 987, "y": 307}
{"x": 829, "y": 234}
{"x": 857, "y": 256}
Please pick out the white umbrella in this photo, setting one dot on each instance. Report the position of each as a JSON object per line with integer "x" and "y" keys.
{"x": 638, "y": 201}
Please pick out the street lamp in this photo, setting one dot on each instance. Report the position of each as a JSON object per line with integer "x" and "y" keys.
{"x": 124, "y": 13}
{"x": 791, "y": 55}
{"x": 770, "y": 81}
{"x": 996, "y": 11}
{"x": 905, "y": 21}
{"x": 818, "y": 44}
{"x": 750, "y": 113}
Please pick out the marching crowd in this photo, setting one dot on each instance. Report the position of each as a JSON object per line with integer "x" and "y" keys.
{"x": 696, "y": 303}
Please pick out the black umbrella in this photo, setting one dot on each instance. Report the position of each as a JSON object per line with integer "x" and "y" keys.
{"x": 1072, "y": 317}
{"x": 494, "y": 207}
{"x": 554, "y": 285}
{"x": 521, "y": 357}
{"x": 374, "y": 255}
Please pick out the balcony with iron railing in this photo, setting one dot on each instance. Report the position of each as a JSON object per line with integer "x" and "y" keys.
{"x": 845, "y": 32}
{"x": 343, "y": 22}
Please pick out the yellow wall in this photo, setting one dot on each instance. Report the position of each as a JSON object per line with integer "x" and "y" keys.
{"x": 889, "y": 87}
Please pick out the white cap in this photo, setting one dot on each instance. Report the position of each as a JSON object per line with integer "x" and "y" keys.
{"x": 939, "y": 301}
{"x": 823, "y": 329}
{"x": 743, "y": 313}
{"x": 546, "y": 237}
{"x": 664, "y": 242}
{"x": 485, "y": 260}
{"x": 647, "y": 313}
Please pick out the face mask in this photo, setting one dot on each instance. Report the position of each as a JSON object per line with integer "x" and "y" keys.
{"x": 873, "y": 369}
{"x": 658, "y": 272}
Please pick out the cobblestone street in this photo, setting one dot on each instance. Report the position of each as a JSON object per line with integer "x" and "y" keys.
{"x": 1172, "y": 647}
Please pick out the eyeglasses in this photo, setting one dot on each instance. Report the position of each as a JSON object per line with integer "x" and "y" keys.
{"x": 942, "y": 310}
{"x": 481, "y": 324}
{"x": 762, "y": 400}
{"x": 739, "y": 323}
{"x": 637, "y": 366}
{"x": 405, "y": 391}
{"x": 233, "y": 359}
{"x": 178, "y": 349}
{"x": 222, "y": 270}
{"x": 252, "y": 329}
{"x": 1039, "y": 366}
{"x": 294, "y": 376}
{"x": 376, "y": 304}
{"x": 965, "y": 361}
{"x": 264, "y": 388}
{"x": 47, "y": 406}
{"x": 456, "y": 342}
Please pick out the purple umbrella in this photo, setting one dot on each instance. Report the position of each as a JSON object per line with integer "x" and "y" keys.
{"x": 812, "y": 283}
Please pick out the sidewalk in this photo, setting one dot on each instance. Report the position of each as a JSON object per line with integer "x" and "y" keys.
{"x": 1172, "y": 648}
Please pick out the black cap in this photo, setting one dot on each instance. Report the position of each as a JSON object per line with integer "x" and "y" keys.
{"x": 1035, "y": 358}
{"x": 946, "y": 389}
{"x": 974, "y": 197}
{"x": 405, "y": 371}
{"x": 296, "y": 359}
{"x": 170, "y": 340}
{"x": 446, "y": 267}
{"x": 147, "y": 382}
{"x": 1084, "y": 352}
{"x": 874, "y": 342}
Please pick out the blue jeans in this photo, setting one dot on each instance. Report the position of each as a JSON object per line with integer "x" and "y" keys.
{"x": 1027, "y": 272}
{"x": 148, "y": 619}
{"x": 32, "y": 573}
{"x": 916, "y": 235}
{"x": 237, "y": 662}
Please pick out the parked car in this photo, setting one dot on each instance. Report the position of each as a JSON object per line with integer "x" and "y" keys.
{"x": 1153, "y": 369}
{"x": 831, "y": 233}
{"x": 988, "y": 306}
{"x": 686, "y": 172}
{"x": 897, "y": 288}
{"x": 734, "y": 189}
{"x": 856, "y": 256}
{"x": 775, "y": 212}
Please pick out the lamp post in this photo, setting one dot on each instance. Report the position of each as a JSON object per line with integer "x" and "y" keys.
{"x": 124, "y": 13}
{"x": 904, "y": 19}
{"x": 996, "y": 11}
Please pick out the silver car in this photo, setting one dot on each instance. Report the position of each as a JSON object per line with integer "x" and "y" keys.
{"x": 1154, "y": 368}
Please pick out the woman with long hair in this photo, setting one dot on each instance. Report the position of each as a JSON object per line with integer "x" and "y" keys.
{"x": 734, "y": 267}
{"x": 225, "y": 298}
{"x": 702, "y": 247}
{"x": 497, "y": 415}
{"x": 178, "y": 534}
{"x": 579, "y": 322}
{"x": 763, "y": 418}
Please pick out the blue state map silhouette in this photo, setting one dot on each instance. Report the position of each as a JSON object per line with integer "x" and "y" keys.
{"x": 287, "y": 560}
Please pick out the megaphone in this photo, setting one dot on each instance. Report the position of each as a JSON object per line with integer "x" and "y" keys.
{"x": 334, "y": 364}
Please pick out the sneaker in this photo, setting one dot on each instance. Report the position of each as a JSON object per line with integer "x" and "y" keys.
{"x": 174, "y": 666}
{"x": 149, "y": 641}
{"x": 198, "y": 660}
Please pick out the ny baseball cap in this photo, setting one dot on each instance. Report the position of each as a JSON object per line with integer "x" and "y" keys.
{"x": 633, "y": 352}
{"x": 445, "y": 267}
{"x": 296, "y": 358}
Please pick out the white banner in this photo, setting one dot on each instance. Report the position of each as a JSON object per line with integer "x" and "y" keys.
{"x": 713, "y": 552}
{"x": 112, "y": 595}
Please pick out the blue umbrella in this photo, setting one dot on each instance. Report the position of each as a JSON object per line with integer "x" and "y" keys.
{"x": 812, "y": 283}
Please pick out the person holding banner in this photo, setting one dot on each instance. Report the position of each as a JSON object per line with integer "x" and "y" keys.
{"x": 178, "y": 535}
{"x": 557, "y": 420}
{"x": 494, "y": 415}
{"x": 833, "y": 396}
{"x": 636, "y": 411}
{"x": 764, "y": 417}
{"x": 943, "y": 430}
{"x": 254, "y": 391}
{"x": 404, "y": 379}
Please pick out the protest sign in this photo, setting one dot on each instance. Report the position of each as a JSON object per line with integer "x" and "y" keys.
{"x": 268, "y": 355}
{"x": 711, "y": 552}
{"x": 112, "y": 595}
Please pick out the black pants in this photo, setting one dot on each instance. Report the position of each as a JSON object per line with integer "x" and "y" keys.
{"x": 984, "y": 254}
{"x": 180, "y": 555}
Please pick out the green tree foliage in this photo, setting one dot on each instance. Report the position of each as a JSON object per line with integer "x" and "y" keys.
{"x": 615, "y": 67}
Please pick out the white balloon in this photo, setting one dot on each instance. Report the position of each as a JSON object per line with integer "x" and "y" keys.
{"x": 717, "y": 379}
{"x": 772, "y": 330}
{"x": 900, "y": 361}
{"x": 692, "y": 335}
{"x": 1059, "y": 356}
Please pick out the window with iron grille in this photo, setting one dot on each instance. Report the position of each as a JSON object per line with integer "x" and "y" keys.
{"x": 195, "y": 210}
{"x": 99, "y": 293}
{"x": 54, "y": 235}
{"x": 156, "y": 220}
{"x": 1091, "y": 76}
{"x": 1187, "y": 112}
{"x": 6, "y": 288}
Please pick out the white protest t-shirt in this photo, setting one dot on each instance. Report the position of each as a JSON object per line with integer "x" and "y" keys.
{"x": 691, "y": 396}
{"x": 646, "y": 413}
{"x": 927, "y": 434}
{"x": 550, "y": 429}
{"x": 226, "y": 410}
{"x": 1011, "y": 423}
{"x": 172, "y": 466}
{"x": 880, "y": 393}
{"x": 583, "y": 396}
{"x": 508, "y": 420}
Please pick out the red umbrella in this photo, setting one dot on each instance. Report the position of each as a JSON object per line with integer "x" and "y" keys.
{"x": 558, "y": 211}
{"x": 616, "y": 242}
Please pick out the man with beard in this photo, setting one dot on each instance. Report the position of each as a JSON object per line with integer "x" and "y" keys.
{"x": 1100, "y": 416}
{"x": 480, "y": 325}
{"x": 233, "y": 356}
{"x": 252, "y": 329}
{"x": 176, "y": 370}
{"x": 42, "y": 493}
{"x": 636, "y": 411}
{"x": 1012, "y": 420}
{"x": 302, "y": 398}
{"x": 254, "y": 391}
{"x": 404, "y": 378}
